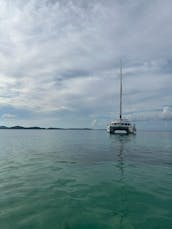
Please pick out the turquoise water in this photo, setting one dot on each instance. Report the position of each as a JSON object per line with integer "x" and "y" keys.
{"x": 85, "y": 179}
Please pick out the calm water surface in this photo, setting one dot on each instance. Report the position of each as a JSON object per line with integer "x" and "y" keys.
{"x": 85, "y": 179}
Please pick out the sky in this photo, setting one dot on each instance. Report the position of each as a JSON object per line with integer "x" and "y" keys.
{"x": 60, "y": 59}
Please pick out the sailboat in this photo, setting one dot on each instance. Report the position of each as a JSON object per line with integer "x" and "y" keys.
{"x": 121, "y": 125}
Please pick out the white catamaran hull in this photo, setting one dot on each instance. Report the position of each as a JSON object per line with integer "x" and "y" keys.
{"x": 128, "y": 129}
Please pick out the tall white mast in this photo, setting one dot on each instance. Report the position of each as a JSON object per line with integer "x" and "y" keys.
{"x": 120, "y": 116}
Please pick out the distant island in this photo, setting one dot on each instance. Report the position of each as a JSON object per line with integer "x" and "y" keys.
{"x": 41, "y": 128}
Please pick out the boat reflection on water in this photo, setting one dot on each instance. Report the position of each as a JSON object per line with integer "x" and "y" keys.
{"x": 121, "y": 141}
{"x": 123, "y": 194}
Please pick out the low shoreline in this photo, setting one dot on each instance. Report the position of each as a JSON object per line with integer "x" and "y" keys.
{"x": 42, "y": 128}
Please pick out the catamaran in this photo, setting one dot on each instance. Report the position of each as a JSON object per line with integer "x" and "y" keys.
{"x": 121, "y": 125}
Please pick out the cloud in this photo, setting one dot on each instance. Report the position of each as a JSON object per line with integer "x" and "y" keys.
{"x": 59, "y": 58}
{"x": 93, "y": 124}
{"x": 8, "y": 116}
{"x": 167, "y": 113}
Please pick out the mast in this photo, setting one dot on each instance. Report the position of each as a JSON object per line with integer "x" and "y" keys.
{"x": 120, "y": 116}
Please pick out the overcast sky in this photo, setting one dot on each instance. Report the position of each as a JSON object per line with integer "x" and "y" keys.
{"x": 59, "y": 61}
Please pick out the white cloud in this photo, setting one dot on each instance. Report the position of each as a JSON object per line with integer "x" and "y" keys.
{"x": 8, "y": 116}
{"x": 167, "y": 113}
{"x": 93, "y": 123}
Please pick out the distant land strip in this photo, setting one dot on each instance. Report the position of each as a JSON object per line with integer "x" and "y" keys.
{"x": 42, "y": 128}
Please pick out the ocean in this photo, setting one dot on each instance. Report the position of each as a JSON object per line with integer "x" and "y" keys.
{"x": 85, "y": 179}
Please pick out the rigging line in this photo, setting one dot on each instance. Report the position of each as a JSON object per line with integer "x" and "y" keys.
{"x": 120, "y": 89}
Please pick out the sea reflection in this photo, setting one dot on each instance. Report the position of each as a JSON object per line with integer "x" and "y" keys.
{"x": 120, "y": 142}
{"x": 121, "y": 166}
